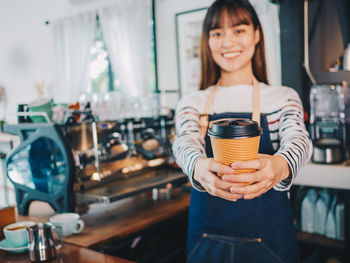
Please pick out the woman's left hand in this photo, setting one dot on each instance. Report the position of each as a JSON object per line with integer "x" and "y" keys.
{"x": 270, "y": 170}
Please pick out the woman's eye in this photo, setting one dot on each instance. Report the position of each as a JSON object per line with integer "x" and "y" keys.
{"x": 216, "y": 34}
{"x": 239, "y": 31}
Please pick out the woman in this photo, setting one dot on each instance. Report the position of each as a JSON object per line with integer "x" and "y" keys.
{"x": 228, "y": 221}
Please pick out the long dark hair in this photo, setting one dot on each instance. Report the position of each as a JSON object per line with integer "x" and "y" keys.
{"x": 240, "y": 12}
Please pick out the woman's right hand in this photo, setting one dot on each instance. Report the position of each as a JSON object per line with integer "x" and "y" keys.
{"x": 205, "y": 172}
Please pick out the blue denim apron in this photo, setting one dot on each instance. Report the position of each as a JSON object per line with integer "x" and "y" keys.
{"x": 256, "y": 230}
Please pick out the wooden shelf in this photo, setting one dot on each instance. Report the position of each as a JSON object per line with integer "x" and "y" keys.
{"x": 320, "y": 240}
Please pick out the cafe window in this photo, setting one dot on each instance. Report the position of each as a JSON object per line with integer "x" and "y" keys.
{"x": 102, "y": 77}
{"x": 101, "y": 74}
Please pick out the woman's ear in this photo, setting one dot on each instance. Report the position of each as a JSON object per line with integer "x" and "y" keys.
{"x": 257, "y": 36}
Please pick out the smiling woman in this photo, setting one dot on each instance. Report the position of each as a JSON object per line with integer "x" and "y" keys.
{"x": 235, "y": 216}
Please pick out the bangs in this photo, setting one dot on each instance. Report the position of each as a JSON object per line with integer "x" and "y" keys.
{"x": 230, "y": 15}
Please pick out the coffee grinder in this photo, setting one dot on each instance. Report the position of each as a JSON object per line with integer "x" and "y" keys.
{"x": 328, "y": 123}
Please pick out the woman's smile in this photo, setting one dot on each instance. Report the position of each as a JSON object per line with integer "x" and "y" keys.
{"x": 231, "y": 54}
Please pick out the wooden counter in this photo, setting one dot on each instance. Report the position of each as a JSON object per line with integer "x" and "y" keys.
{"x": 105, "y": 223}
{"x": 68, "y": 253}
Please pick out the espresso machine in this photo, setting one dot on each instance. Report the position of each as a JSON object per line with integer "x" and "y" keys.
{"x": 85, "y": 161}
{"x": 328, "y": 123}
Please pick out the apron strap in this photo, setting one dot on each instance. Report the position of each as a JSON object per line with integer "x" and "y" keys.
{"x": 256, "y": 102}
{"x": 204, "y": 117}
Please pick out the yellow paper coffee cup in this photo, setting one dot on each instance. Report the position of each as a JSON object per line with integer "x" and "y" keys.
{"x": 235, "y": 140}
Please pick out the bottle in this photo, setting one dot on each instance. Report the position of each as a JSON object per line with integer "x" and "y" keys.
{"x": 307, "y": 211}
{"x": 346, "y": 59}
{"x": 339, "y": 216}
{"x": 297, "y": 202}
{"x": 331, "y": 226}
{"x": 321, "y": 208}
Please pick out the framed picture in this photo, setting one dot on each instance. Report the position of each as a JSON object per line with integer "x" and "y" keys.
{"x": 188, "y": 33}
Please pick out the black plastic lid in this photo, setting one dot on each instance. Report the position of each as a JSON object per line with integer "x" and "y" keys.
{"x": 234, "y": 128}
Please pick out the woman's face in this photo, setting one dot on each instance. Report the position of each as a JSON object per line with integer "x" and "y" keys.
{"x": 233, "y": 47}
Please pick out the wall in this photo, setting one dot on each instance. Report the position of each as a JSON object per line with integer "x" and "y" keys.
{"x": 328, "y": 42}
{"x": 325, "y": 43}
{"x": 292, "y": 47}
{"x": 166, "y": 43}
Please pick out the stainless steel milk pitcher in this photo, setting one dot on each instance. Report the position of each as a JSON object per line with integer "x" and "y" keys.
{"x": 41, "y": 244}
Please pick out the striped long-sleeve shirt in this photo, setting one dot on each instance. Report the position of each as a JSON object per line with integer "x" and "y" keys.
{"x": 284, "y": 113}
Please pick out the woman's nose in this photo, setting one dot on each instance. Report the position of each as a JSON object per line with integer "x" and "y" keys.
{"x": 229, "y": 39}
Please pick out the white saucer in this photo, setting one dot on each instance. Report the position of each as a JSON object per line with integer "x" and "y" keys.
{"x": 7, "y": 246}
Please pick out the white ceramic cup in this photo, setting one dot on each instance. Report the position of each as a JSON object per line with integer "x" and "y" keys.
{"x": 69, "y": 222}
{"x": 16, "y": 233}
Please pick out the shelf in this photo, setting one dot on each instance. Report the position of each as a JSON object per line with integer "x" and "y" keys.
{"x": 335, "y": 176}
{"x": 320, "y": 240}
